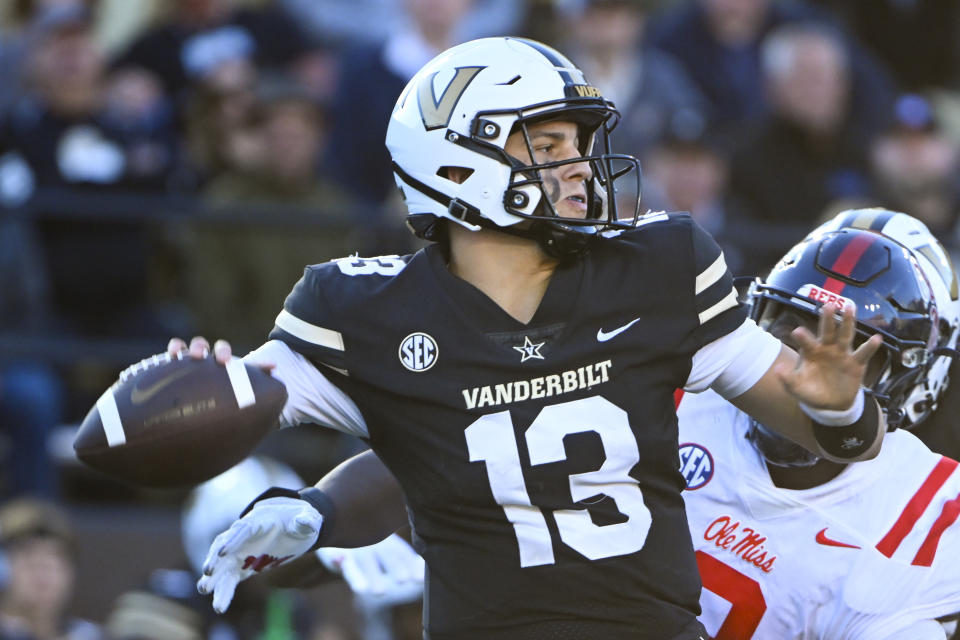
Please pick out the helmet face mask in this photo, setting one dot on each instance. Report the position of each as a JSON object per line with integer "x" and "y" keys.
{"x": 490, "y": 90}
{"x": 893, "y": 297}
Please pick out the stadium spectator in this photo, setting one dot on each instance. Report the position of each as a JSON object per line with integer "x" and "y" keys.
{"x": 76, "y": 131}
{"x": 719, "y": 43}
{"x": 686, "y": 170}
{"x": 335, "y": 21}
{"x": 219, "y": 132}
{"x": 290, "y": 135}
{"x": 915, "y": 39}
{"x": 914, "y": 166}
{"x": 199, "y": 35}
{"x": 31, "y": 394}
{"x": 37, "y": 540}
{"x": 234, "y": 264}
{"x": 74, "y": 126}
{"x": 605, "y": 37}
{"x": 15, "y": 36}
{"x": 371, "y": 78}
{"x": 803, "y": 157}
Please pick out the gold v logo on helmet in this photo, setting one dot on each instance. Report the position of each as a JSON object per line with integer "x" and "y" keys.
{"x": 436, "y": 113}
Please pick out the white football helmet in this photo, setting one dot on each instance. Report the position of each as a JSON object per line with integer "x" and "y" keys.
{"x": 936, "y": 265}
{"x": 459, "y": 110}
{"x": 211, "y": 507}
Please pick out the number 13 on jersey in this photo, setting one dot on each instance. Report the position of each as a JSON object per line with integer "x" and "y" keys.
{"x": 491, "y": 439}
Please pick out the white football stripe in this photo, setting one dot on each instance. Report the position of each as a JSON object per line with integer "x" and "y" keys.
{"x": 240, "y": 381}
{"x": 309, "y": 332}
{"x": 728, "y": 302}
{"x": 110, "y": 419}
{"x": 710, "y": 275}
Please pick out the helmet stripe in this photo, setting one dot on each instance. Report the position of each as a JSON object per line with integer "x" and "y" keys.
{"x": 868, "y": 219}
{"x": 883, "y": 217}
{"x": 561, "y": 64}
{"x": 847, "y": 260}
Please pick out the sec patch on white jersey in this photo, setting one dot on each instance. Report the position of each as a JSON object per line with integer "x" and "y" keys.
{"x": 861, "y": 557}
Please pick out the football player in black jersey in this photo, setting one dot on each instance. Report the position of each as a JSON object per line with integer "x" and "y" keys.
{"x": 517, "y": 376}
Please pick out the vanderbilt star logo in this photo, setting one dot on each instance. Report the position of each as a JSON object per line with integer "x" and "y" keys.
{"x": 530, "y": 350}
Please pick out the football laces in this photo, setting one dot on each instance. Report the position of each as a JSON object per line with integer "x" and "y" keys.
{"x": 143, "y": 365}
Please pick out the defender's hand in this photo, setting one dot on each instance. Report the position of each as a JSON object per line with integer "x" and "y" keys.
{"x": 389, "y": 570}
{"x": 274, "y": 532}
{"x": 829, "y": 372}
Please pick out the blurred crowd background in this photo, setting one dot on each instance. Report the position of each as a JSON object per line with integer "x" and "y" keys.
{"x": 167, "y": 167}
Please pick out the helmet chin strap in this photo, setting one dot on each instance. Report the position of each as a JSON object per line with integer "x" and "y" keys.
{"x": 558, "y": 243}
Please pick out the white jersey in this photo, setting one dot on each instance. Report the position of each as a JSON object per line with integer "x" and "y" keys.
{"x": 866, "y": 555}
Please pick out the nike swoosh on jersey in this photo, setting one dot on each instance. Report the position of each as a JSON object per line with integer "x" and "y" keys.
{"x": 139, "y": 396}
{"x": 603, "y": 336}
{"x": 824, "y": 540}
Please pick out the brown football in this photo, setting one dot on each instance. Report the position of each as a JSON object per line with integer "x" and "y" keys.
{"x": 175, "y": 422}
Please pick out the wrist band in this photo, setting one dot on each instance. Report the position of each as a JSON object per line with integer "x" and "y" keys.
{"x": 840, "y": 418}
{"x": 272, "y": 492}
{"x": 322, "y": 503}
{"x": 850, "y": 441}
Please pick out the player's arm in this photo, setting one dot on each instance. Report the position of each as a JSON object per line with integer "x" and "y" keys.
{"x": 367, "y": 499}
{"x": 365, "y": 507}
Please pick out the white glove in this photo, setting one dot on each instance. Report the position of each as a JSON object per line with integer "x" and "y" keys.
{"x": 390, "y": 571}
{"x": 274, "y": 532}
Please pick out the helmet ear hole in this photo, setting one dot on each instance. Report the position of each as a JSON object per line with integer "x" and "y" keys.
{"x": 455, "y": 174}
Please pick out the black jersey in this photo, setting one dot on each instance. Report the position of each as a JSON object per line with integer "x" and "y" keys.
{"x": 539, "y": 460}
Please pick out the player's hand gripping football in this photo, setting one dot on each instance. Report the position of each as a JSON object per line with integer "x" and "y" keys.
{"x": 200, "y": 348}
{"x": 829, "y": 372}
{"x": 275, "y": 531}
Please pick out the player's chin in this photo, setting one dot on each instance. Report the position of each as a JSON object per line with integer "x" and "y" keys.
{"x": 570, "y": 209}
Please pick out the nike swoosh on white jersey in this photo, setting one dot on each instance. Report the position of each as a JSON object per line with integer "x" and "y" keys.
{"x": 603, "y": 336}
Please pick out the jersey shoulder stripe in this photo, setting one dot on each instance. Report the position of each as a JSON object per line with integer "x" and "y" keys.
{"x": 322, "y": 331}
{"x": 709, "y": 276}
{"x": 724, "y": 304}
{"x": 309, "y": 332}
{"x": 714, "y": 292}
{"x": 307, "y": 324}
{"x": 696, "y": 269}
{"x": 928, "y": 549}
{"x": 915, "y": 509}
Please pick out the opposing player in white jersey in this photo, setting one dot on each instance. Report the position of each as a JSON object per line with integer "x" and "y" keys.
{"x": 792, "y": 546}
